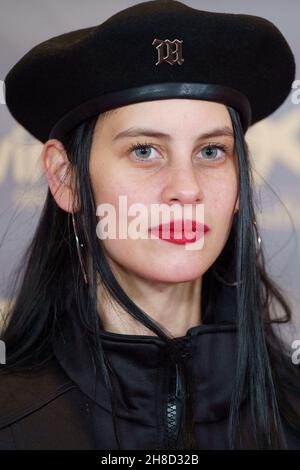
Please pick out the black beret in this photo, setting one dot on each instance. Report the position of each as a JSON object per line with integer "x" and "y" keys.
{"x": 153, "y": 50}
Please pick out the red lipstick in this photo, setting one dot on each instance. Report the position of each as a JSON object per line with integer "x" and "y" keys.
{"x": 175, "y": 232}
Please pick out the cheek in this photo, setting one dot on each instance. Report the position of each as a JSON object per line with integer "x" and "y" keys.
{"x": 221, "y": 193}
{"x": 220, "y": 206}
{"x": 110, "y": 180}
{"x": 219, "y": 210}
{"x": 108, "y": 184}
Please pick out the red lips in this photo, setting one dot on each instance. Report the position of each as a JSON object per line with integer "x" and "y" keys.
{"x": 176, "y": 232}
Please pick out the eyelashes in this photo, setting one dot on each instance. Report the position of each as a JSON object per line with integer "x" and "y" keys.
{"x": 142, "y": 146}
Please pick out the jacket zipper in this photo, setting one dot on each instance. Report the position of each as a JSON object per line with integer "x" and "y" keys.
{"x": 174, "y": 409}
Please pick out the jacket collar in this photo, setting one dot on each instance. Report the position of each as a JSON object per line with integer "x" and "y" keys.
{"x": 140, "y": 364}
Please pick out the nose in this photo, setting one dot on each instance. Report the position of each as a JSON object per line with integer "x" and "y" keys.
{"x": 182, "y": 187}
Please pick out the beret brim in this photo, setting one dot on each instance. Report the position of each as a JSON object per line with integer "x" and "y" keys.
{"x": 236, "y": 59}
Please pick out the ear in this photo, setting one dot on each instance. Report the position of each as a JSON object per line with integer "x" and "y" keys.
{"x": 57, "y": 169}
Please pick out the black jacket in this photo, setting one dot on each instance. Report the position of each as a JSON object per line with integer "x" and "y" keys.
{"x": 66, "y": 405}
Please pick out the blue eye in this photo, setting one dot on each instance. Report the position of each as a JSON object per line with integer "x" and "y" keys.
{"x": 144, "y": 151}
{"x": 211, "y": 151}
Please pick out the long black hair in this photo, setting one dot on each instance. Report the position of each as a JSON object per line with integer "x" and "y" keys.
{"x": 50, "y": 272}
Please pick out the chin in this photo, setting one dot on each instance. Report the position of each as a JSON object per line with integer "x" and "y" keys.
{"x": 170, "y": 274}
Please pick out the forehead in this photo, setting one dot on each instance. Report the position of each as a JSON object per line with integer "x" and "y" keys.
{"x": 167, "y": 115}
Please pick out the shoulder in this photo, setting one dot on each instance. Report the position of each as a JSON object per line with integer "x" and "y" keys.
{"x": 23, "y": 393}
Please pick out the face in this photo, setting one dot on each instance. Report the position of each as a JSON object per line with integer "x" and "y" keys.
{"x": 182, "y": 167}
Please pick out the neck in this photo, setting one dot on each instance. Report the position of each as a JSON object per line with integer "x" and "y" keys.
{"x": 175, "y": 307}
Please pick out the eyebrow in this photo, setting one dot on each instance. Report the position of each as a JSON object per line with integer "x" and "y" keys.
{"x": 137, "y": 131}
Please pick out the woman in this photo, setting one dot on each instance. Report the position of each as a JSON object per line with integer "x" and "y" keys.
{"x": 130, "y": 343}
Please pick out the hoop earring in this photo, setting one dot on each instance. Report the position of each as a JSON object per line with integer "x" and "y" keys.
{"x": 78, "y": 245}
{"x": 258, "y": 238}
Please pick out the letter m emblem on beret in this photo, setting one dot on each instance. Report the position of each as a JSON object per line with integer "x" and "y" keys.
{"x": 169, "y": 51}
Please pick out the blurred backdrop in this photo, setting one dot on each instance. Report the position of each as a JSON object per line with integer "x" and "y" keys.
{"x": 274, "y": 142}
